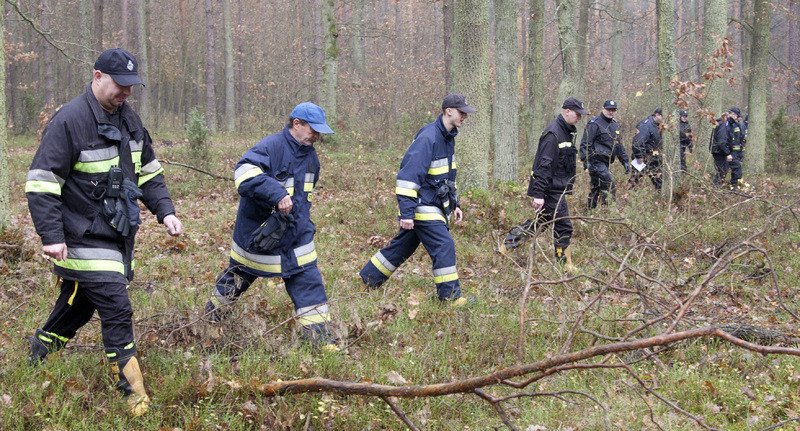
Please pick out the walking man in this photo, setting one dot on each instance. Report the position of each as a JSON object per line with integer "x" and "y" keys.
{"x": 600, "y": 145}
{"x": 646, "y": 149}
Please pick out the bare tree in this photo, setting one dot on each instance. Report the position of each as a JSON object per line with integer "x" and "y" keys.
{"x": 145, "y": 109}
{"x": 330, "y": 64}
{"x": 757, "y": 103}
{"x": 617, "y": 57}
{"x": 5, "y": 203}
{"x": 715, "y": 21}
{"x": 570, "y": 84}
{"x": 230, "y": 105}
{"x": 211, "y": 66}
{"x": 667, "y": 65}
{"x": 505, "y": 115}
{"x": 535, "y": 69}
{"x": 97, "y": 27}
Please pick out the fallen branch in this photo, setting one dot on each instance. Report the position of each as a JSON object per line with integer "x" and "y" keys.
{"x": 210, "y": 174}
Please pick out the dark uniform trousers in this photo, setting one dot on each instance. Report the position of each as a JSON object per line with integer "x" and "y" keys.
{"x": 435, "y": 237}
{"x": 721, "y": 165}
{"x": 602, "y": 183}
{"x": 736, "y": 166}
{"x": 555, "y": 208}
{"x": 77, "y": 303}
{"x": 652, "y": 170}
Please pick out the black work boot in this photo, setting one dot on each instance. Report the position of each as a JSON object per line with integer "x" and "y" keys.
{"x": 42, "y": 343}
{"x": 320, "y": 336}
{"x": 216, "y": 314}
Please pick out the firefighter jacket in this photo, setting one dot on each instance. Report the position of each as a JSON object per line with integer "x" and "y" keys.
{"x": 601, "y": 141}
{"x": 647, "y": 141}
{"x": 66, "y": 184}
{"x": 685, "y": 135}
{"x": 554, "y": 164}
{"x": 721, "y": 138}
{"x": 276, "y": 167}
{"x": 425, "y": 185}
{"x": 737, "y": 135}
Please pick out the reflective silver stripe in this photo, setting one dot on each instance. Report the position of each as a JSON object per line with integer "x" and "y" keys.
{"x": 313, "y": 309}
{"x": 151, "y": 167}
{"x": 565, "y": 145}
{"x": 98, "y": 155}
{"x": 407, "y": 185}
{"x": 382, "y": 259}
{"x": 439, "y": 163}
{"x": 265, "y": 259}
{"x": 444, "y": 271}
{"x": 94, "y": 254}
{"x": 242, "y": 169}
{"x": 425, "y": 209}
{"x": 288, "y": 183}
{"x": 43, "y": 175}
{"x": 304, "y": 249}
{"x": 136, "y": 145}
{"x": 309, "y": 177}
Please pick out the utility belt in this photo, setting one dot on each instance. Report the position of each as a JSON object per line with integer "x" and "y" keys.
{"x": 120, "y": 202}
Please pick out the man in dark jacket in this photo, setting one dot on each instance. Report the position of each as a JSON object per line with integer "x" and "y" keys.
{"x": 646, "y": 149}
{"x": 274, "y": 235}
{"x": 686, "y": 137}
{"x": 94, "y": 162}
{"x": 600, "y": 145}
{"x": 738, "y": 131}
{"x": 551, "y": 180}
{"x": 720, "y": 145}
{"x": 426, "y": 197}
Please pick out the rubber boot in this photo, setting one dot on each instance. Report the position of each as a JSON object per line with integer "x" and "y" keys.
{"x": 42, "y": 343}
{"x": 320, "y": 336}
{"x": 216, "y": 313}
{"x": 568, "y": 266}
{"x": 128, "y": 379}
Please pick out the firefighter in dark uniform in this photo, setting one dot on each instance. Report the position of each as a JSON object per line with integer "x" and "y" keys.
{"x": 686, "y": 137}
{"x": 274, "y": 235}
{"x": 720, "y": 146}
{"x": 646, "y": 148}
{"x": 94, "y": 163}
{"x": 738, "y": 131}
{"x": 427, "y": 197}
{"x": 552, "y": 178}
{"x": 600, "y": 145}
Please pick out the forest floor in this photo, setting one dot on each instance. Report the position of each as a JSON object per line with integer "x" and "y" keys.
{"x": 731, "y": 259}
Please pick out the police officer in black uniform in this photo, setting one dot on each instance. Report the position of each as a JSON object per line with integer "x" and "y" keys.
{"x": 686, "y": 137}
{"x": 720, "y": 146}
{"x": 551, "y": 180}
{"x": 600, "y": 145}
{"x": 737, "y": 145}
{"x": 646, "y": 148}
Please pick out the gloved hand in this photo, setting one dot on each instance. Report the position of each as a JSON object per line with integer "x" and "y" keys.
{"x": 268, "y": 235}
{"x": 627, "y": 168}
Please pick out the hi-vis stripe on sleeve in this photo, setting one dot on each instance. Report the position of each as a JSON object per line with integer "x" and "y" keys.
{"x": 42, "y": 181}
{"x": 136, "y": 155}
{"x": 565, "y": 144}
{"x": 97, "y": 161}
{"x": 308, "y": 185}
{"x": 245, "y": 172}
{"x": 149, "y": 171}
{"x": 439, "y": 167}
{"x": 453, "y": 164}
{"x": 406, "y": 188}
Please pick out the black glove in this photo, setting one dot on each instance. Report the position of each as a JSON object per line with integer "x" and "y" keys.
{"x": 627, "y": 168}
{"x": 267, "y": 236}
{"x": 118, "y": 219}
{"x": 132, "y": 193}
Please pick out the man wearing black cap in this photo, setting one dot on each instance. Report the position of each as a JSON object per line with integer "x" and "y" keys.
{"x": 686, "y": 137}
{"x": 552, "y": 178}
{"x": 600, "y": 145}
{"x": 737, "y": 146}
{"x": 94, "y": 163}
{"x": 720, "y": 144}
{"x": 646, "y": 149}
{"x": 274, "y": 235}
{"x": 427, "y": 197}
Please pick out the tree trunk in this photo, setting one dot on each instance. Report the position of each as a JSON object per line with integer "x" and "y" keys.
{"x": 230, "y": 102}
{"x": 757, "y": 104}
{"x": 48, "y": 59}
{"x": 211, "y": 66}
{"x": 715, "y": 20}
{"x": 745, "y": 42}
{"x": 330, "y": 64}
{"x": 144, "y": 64}
{"x": 667, "y": 65}
{"x": 5, "y": 202}
{"x": 97, "y": 30}
{"x": 535, "y": 65}
{"x": 125, "y": 25}
{"x": 447, "y": 23}
{"x": 617, "y": 57}
{"x": 568, "y": 44}
{"x": 583, "y": 32}
{"x": 85, "y": 9}
{"x": 470, "y": 69}
{"x": 505, "y": 114}
{"x": 359, "y": 23}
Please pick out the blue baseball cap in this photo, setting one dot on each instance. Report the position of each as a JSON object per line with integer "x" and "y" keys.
{"x": 313, "y": 115}
{"x": 121, "y": 65}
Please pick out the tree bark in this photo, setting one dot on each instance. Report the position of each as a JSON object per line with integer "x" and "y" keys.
{"x": 470, "y": 69}
{"x": 715, "y": 20}
{"x": 48, "y": 59}
{"x": 447, "y": 23}
{"x": 230, "y": 102}
{"x": 617, "y": 57}
{"x": 535, "y": 61}
{"x": 506, "y": 107}
{"x": 667, "y": 65}
{"x": 144, "y": 63}
{"x": 359, "y": 24}
{"x": 5, "y": 202}
{"x": 124, "y": 24}
{"x": 757, "y": 103}
{"x": 570, "y": 84}
{"x": 97, "y": 28}
{"x": 330, "y": 64}
{"x": 211, "y": 66}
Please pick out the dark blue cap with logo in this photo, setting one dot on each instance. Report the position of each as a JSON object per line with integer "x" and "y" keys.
{"x": 313, "y": 115}
{"x": 610, "y": 105}
{"x": 457, "y": 101}
{"x": 121, "y": 65}
{"x": 574, "y": 104}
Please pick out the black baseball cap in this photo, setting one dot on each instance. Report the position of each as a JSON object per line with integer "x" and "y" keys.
{"x": 575, "y": 105}
{"x": 736, "y": 111}
{"x": 457, "y": 101}
{"x": 683, "y": 113}
{"x": 610, "y": 105}
{"x": 121, "y": 65}
{"x": 658, "y": 111}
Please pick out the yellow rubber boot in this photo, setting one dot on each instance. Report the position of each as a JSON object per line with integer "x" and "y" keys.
{"x": 129, "y": 380}
{"x": 568, "y": 266}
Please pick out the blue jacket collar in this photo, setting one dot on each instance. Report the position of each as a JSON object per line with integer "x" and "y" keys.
{"x": 440, "y": 126}
{"x": 296, "y": 147}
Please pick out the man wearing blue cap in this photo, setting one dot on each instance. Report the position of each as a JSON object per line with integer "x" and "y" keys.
{"x": 94, "y": 163}
{"x": 274, "y": 235}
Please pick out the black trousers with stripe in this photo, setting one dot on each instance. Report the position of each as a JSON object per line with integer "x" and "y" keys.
{"x": 77, "y": 303}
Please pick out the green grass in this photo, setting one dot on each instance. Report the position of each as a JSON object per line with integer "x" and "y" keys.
{"x": 205, "y": 377}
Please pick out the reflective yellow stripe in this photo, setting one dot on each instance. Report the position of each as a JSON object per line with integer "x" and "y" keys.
{"x": 308, "y": 187}
{"x": 111, "y": 354}
{"x": 308, "y": 320}
{"x": 266, "y": 267}
{"x": 429, "y": 217}
{"x": 737, "y": 148}
{"x": 565, "y": 145}
{"x": 445, "y": 278}
{"x": 96, "y": 167}
{"x": 129, "y": 346}
{"x": 136, "y": 156}
{"x": 91, "y": 265}
{"x": 439, "y": 171}
{"x": 146, "y": 178}
{"x": 45, "y": 339}
{"x": 74, "y": 292}
{"x": 37, "y": 186}
{"x": 247, "y": 175}
{"x": 384, "y": 270}
{"x": 290, "y": 190}
{"x": 60, "y": 338}
{"x": 405, "y": 192}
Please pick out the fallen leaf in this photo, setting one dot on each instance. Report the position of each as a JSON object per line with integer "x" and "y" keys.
{"x": 395, "y": 378}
